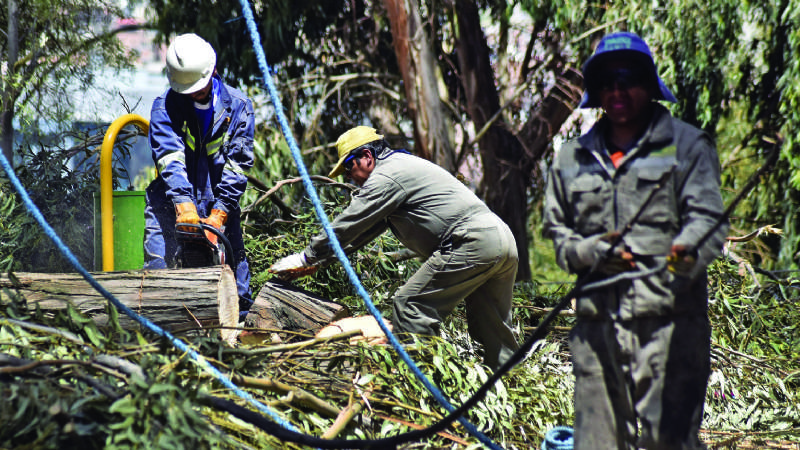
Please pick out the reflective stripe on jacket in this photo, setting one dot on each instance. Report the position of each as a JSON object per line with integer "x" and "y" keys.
{"x": 225, "y": 153}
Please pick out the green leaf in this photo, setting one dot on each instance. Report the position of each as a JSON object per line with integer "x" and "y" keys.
{"x": 124, "y": 406}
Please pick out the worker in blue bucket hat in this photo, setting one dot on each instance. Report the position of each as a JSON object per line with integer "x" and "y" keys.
{"x": 637, "y": 198}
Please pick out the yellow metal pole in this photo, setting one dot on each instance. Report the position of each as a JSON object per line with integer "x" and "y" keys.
{"x": 106, "y": 194}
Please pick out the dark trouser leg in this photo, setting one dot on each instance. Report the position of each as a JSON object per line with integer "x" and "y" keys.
{"x": 241, "y": 268}
{"x": 604, "y": 418}
{"x": 160, "y": 247}
{"x": 657, "y": 367}
{"x": 673, "y": 374}
{"x": 239, "y": 265}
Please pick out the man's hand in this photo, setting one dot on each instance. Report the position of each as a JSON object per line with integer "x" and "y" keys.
{"x": 186, "y": 212}
{"x": 680, "y": 260}
{"x": 216, "y": 219}
{"x": 592, "y": 251}
{"x": 293, "y": 266}
{"x": 620, "y": 261}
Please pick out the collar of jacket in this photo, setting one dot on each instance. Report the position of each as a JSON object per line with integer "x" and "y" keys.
{"x": 223, "y": 101}
{"x": 660, "y": 132}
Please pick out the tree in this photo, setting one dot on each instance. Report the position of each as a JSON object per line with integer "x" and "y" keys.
{"x": 48, "y": 46}
{"x": 433, "y": 125}
{"x": 507, "y": 77}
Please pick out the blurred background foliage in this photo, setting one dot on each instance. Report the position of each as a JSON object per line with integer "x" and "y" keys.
{"x": 733, "y": 66}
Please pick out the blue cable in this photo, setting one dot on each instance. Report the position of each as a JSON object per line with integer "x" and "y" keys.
{"x": 180, "y": 345}
{"x": 334, "y": 242}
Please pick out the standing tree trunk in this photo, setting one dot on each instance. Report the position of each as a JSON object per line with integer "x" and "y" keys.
{"x": 432, "y": 127}
{"x": 505, "y": 182}
{"x": 510, "y": 162}
{"x": 7, "y": 123}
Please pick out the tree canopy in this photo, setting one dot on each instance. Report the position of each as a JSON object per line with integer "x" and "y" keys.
{"x": 507, "y": 76}
{"x": 49, "y": 47}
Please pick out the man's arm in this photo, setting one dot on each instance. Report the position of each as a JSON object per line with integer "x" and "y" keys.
{"x": 167, "y": 147}
{"x": 700, "y": 203}
{"x": 574, "y": 252}
{"x": 363, "y": 220}
{"x": 351, "y": 247}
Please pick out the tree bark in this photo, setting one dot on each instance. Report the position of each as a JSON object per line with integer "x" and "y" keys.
{"x": 281, "y": 306}
{"x": 505, "y": 182}
{"x": 510, "y": 162}
{"x": 7, "y": 121}
{"x": 173, "y": 299}
{"x": 548, "y": 117}
{"x": 432, "y": 126}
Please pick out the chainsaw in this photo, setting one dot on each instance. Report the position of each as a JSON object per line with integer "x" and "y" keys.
{"x": 196, "y": 250}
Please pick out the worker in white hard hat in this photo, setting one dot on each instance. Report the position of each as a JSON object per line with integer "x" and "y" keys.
{"x": 201, "y": 136}
{"x": 470, "y": 253}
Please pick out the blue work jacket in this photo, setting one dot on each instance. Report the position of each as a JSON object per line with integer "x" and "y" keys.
{"x": 212, "y": 166}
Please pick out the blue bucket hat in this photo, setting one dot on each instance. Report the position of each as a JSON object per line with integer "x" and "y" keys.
{"x": 624, "y": 44}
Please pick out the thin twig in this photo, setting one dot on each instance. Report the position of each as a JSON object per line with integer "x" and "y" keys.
{"x": 415, "y": 426}
{"x": 305, "y": 344}
{"x": 72, "y": 337}
{"x": 280, "y": 184}
{"x": 343, "y": 419}
{"x": 293, "y": 395}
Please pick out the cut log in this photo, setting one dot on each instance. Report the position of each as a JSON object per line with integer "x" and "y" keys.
{"x": 283, "y": 306}
{"x": 174, "y": 299}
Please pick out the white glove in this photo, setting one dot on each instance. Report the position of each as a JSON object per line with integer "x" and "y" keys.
{"x": 292, "y": 262}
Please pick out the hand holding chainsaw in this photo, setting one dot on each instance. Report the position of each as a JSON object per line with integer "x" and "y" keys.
{"x": 216, "y": 219}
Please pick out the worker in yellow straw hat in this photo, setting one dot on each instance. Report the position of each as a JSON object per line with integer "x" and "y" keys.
{"x": 352, "y": 140}
{"x": 470, "y": 253}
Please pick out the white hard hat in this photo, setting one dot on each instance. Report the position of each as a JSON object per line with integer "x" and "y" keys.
{"x": 190, "y": 63}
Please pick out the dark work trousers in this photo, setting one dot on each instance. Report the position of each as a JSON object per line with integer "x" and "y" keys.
{"x": 160, "y": 246}
{"x": 640, "y": 383}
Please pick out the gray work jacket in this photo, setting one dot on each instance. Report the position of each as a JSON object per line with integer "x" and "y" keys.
{"x": 419, "y": 201}
{"x": 587, "y": 197}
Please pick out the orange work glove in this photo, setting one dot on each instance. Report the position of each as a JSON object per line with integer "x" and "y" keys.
{"x": 186, "y": 212}
{"x": 216, "y": 219}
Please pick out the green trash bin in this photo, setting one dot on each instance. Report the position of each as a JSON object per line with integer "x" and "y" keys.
{"x": 128, "y": 230}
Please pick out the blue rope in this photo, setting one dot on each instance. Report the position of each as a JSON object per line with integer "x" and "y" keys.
{"x": 334, "y": 242}
{"x": 180, "y": 345}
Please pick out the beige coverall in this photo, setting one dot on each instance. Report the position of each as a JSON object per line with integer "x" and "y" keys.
{"x": 471, "y": 253}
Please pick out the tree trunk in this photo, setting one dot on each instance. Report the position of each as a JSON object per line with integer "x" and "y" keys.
{"x": 7, "y": 120}
{"x": 432, "y": 127}
{"x": 546, "y": 120}
{"x": 174, "y": 299}
{"x": 505, "y": 183}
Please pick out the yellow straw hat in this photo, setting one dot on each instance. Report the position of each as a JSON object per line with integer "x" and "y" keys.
{"x": 351, "y": 140}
